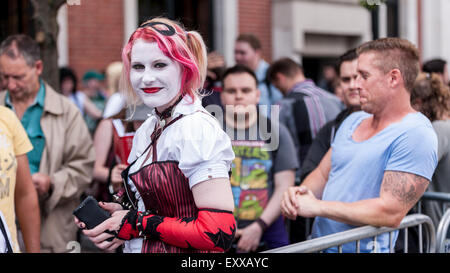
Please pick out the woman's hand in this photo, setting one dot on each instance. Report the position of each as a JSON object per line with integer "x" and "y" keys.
{"x": 116, "y": 178}
{"x": 99, "y": 234}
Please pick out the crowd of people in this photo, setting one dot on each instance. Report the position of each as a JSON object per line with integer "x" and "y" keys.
{"x": 236, "y": 159}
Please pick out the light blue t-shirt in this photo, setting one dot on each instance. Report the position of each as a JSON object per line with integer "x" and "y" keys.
{"x": 357, "y": 168}
{"x": 267, "y": 97}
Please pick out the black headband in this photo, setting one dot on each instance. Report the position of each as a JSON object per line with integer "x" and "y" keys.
{"x": 169, "y": 32}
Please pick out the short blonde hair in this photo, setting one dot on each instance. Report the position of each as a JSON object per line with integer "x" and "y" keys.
{"x": 395, "y": 53}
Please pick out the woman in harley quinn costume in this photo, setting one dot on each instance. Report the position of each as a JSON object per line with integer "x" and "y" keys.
{"x": 177, "y": 183}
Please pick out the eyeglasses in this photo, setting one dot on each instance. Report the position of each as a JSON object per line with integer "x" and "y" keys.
{"x": 169, "y": 32}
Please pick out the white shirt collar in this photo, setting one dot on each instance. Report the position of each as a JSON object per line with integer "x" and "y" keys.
{"x": 185, "y": 107}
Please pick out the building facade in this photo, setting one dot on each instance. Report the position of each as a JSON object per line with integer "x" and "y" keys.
{"x": 313, "y": 32}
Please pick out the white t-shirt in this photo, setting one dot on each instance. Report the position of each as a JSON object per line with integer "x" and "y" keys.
{"x": 196, "y": 141}
{"x": 3, "y": 247}
{"x": 114, "y": 105}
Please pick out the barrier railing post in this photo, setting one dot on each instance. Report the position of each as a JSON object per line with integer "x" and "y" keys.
{"x": 405, "y": 241}
{"x": 444, "y": 222}
{"x": 441, "y": 233}
{"x": 365, "y": 232}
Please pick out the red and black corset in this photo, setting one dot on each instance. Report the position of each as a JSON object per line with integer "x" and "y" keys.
{"x": 165, "y": 191}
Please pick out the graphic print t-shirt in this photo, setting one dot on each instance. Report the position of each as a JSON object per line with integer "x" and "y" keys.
{"x": 250, "y": 181}
{"x": 256, "y": 161}
{"x": 13, "y": 142}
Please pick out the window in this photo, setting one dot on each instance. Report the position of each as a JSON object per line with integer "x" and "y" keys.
{"x": 16, "y": 17}
{"x": 392, "y": 18}
{"x": 193, "y": 14}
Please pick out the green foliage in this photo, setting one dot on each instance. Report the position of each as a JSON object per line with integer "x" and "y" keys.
{"x": 371, "y": 4}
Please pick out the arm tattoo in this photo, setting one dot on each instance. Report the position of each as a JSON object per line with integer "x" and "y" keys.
{"x": 405, "y": 187}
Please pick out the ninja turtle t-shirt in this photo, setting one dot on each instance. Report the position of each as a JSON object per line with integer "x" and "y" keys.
{"x": 250, "y": 182}
{"x": 260, "y": 152}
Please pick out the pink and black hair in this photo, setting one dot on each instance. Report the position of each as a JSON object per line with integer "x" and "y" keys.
{"x": 185, "y": 47}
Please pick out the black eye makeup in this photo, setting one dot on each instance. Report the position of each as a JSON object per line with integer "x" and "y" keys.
{"x": 138, "y": 66}
{"x": 160, "y": 65}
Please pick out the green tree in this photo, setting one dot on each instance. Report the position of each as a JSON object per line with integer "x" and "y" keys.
{"x": 371, "y": 4}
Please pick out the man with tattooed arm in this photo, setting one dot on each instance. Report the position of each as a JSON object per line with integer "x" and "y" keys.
{"x": 382, "y": 158}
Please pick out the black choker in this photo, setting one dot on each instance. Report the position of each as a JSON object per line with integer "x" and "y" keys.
{"x": 167, "y": 113}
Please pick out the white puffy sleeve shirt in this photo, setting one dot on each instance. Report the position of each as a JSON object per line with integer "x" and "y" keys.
{"x": 196, "y": 141}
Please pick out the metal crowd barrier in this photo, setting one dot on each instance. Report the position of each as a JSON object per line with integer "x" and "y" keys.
{"x": 444, "y": 222}
{"x": 441, "y": 234}
{"x": 360, "y": 233}
{"x": 442, "y": 197}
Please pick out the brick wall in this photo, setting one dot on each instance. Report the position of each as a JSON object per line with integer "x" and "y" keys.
{"x": 255, "y": 17}
{"x": 96, "y": 31}
{"x": 95, "y": 34}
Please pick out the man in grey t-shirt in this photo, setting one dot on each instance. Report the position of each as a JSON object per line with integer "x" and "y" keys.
{"x": 264, "y": 165}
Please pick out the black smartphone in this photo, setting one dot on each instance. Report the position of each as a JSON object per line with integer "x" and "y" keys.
{"x": 91, "y": 214}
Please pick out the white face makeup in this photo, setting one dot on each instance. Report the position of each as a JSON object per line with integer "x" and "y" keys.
{"x": 154, "y": 77}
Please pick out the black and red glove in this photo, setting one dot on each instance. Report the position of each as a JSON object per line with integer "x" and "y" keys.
{"x": 212, "y": 229}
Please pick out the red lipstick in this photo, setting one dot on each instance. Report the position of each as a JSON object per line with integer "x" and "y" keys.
{"x": 151, "y": 90}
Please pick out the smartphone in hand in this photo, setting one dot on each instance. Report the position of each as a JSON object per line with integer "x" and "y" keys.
{"x": 91, "y": 214}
